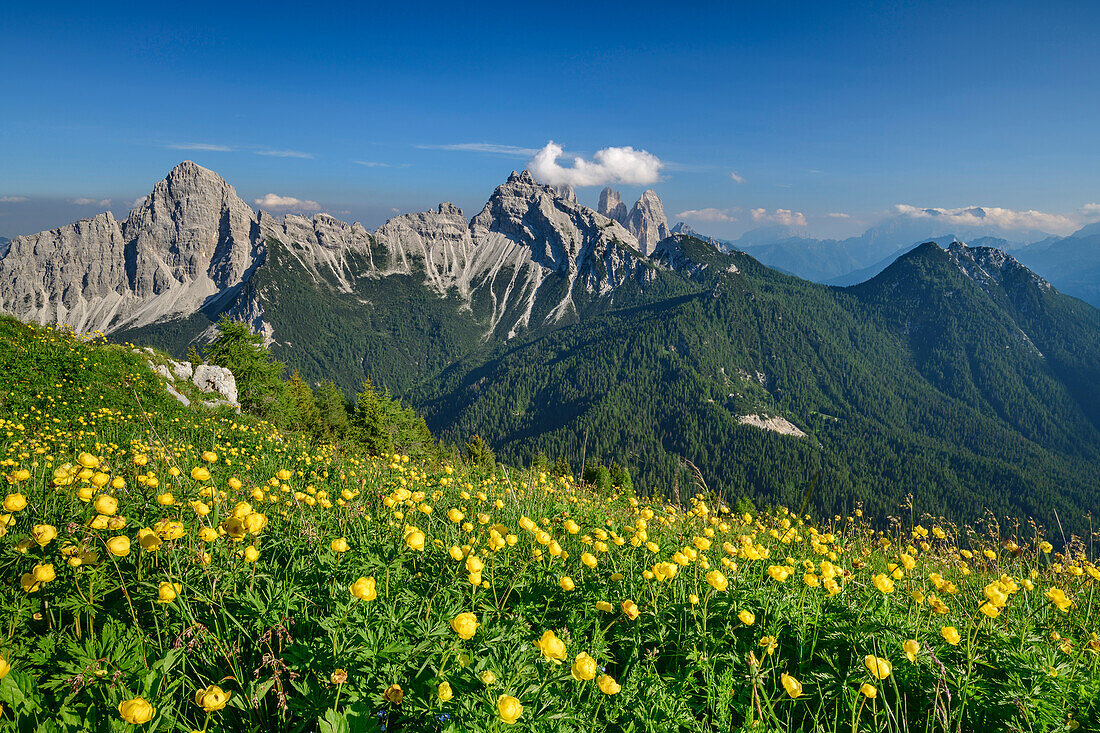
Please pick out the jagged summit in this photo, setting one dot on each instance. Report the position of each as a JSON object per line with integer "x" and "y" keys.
{"x": 193, "y": 244}
{"x": 647, "y": 221}
{"x": 611, "y": 205}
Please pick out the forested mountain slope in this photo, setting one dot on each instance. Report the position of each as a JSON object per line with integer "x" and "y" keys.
{"x": 923, "y": 381}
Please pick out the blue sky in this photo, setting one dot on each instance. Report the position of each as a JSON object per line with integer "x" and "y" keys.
{"x": 833, "y": 108}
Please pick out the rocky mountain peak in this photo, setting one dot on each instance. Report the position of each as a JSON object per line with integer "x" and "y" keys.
{"x": 448, "y": 208}
{"x": 647, "y": 221}
{"x": 989, "y": 264}
{"x": 611, "y": 205}
{"x": 565, "y": 191}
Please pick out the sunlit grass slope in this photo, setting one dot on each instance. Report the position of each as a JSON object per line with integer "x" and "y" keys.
{"x": 164, "y": 568}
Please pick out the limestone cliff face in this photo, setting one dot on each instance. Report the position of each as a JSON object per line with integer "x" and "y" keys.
{"x": 647, "y": 222}
{"x": 611, "y": 205}
{"x": 192, "y": 244}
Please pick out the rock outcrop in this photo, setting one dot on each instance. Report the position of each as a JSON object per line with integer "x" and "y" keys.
{"x": 216, "y": 380}
{"x": 611, "y": 205}
{"x": 646, "y": 221}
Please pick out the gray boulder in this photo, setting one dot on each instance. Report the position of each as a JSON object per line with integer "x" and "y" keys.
{"x": 216, "y": 380}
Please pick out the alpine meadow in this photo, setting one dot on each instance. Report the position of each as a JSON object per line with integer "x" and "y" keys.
{"x": 623, "y": 368}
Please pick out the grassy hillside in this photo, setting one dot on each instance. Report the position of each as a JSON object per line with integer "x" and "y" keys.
{"x": 176, "y": 569}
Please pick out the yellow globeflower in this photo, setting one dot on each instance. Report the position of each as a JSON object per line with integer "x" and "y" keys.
{"x": 338, "y": 676}
{"x": 444, "y": 691}
{"x": 136, "y": 711}
{"x": 717, "y": 580}
{"x": 87, "y": 460}
{"x": 364, "y": 589}
{"x": 212, "y": 699}
{"x": 604, "y": 606}
{"x": 199, "y": 473}
{"x": 608, "y": 685}
{"x": 791, "y": 685}
{"x": 567, "y": 583}
{"x": 877, "y": 666}
{"x": 487, "y": 678}
{"x": 883, "y": 583}
{"x": 119, "y": 546}
{"x": 630, "y": 608}
{"x": 43, "y": 573}
{"x": 251, "y": 554}
{"x": 869, "y": 691}
{"x": 951, "y": 635}
{"x": 551, "y": 646}
{"x": 340, "y": 544}
{"x": 584, "y": 667}
{"x": 15, "y": 503}
{"x": 509, "y": 709}
{"x": 106, "y": 505}
{"x": 167, "y": 592}
{"x": 414, "y": 539}
{"x": 43, "y": 534}
{"x": 4, "y": 668}
{"x": 394, "y": 694}
{"x": 747, "y": 618}
{"x": 912, "y": 648}
{"x": 1058, "y": 598}
{"x": 465, "y": 625}
{"x": 209, "y": 456}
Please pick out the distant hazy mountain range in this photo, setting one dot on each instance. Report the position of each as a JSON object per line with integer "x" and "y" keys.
{"x": 1072, "y": 264}
{"x": 957, "y": 375}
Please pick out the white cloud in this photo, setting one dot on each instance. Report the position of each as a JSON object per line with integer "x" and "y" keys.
{"x": 13, "y": 199}
{"x": 838, "y": 215}
{"x": 376, "y": 164}
{"x": 736, "y": 177}
{"x": 993, "y": 216}
{"x": 610, "y": 165}
{"x": 85, "y": 201}
{"x": 285, "y": 154}
{"x": 139, "y": 201}
{"x": 786, "y": 217}
{"x": 708, "y": 215}
{"x": 1089, "y": 211}
{"x": 493, "y": 148}
{"x": 275, "y": 201}
{"x": 200, "y": 146}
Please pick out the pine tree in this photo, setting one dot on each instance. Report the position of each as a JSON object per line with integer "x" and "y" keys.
{"x": 260, "y": 387}
{"x": 369, "y": 425}
{"x": 333, "y": 409}
{"x": 303, "y": 406}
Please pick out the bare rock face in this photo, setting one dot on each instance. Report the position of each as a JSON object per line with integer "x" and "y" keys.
{"x": 176, "y": 393}
{"x": 76, "y": 274}
{"x": 193, "y": 243}
{"x": 190, "y": 239}
{"x": 216, "y": 380}
{"x": 440, "y": 241}
{"x": 529, "y": 229}
{"x": 181, "y": 369}
{"x": 611, "y": 205}
{"x": 647, "y": 222}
